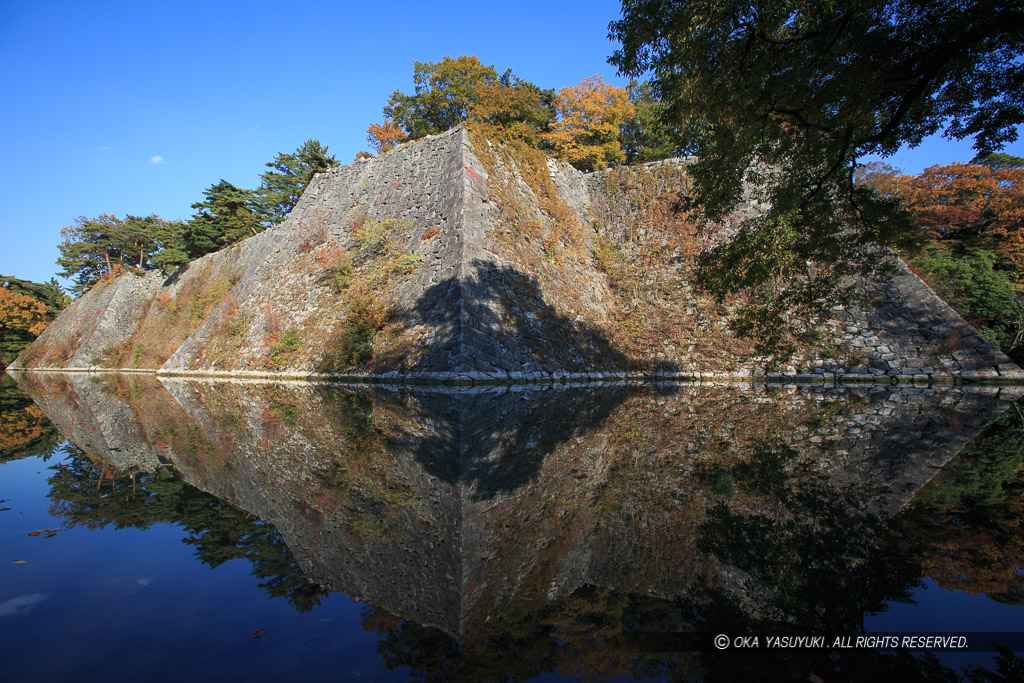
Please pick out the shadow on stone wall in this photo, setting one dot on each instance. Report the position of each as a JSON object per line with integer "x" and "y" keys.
{"x": 496, "y": 319}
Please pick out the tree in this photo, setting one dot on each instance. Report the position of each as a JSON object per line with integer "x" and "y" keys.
{"x": 973, "y": 219}
{"x": 90, "y": 249}
{"x": 22, "y": 319}
{"x": 514, "y": 108}
{"x": 982, "y": 294}
{"x": 173, "y": 248}
{"x": 782, "y": 98}
{"x": 445, "y": 93}
{"x": 51, "y": 294}
{"x": 586, "y": 133}
{"x": 94, "y": 248}
{"x": 281, "y": 187}
{"x": 384, "y": 136}
{"x": 979, "y": 206}
{"x": 228, "y": 214}
{"x": 645, "y": 135}
{"x": 26, "y": 308}
{"x": 998, "y": 161}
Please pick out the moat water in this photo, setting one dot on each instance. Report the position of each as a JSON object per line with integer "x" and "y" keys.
{"x": 169, "y": 529}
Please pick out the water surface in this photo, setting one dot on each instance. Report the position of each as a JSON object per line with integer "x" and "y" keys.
{"x": 214, "y": 529}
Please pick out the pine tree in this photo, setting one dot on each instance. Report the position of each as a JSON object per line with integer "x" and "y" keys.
{"x": 228, "y": 215}
{"x": 281, "y": 187}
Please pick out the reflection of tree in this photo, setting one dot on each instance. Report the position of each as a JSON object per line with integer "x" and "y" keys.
{"x": 585, "y": 634}
{"x": 972, "y": 515}
{"x": 24, "y": 429}
{"x": 95, "y": 496}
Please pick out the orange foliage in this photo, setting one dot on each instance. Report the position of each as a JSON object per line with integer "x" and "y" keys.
{"x": 962, "y": 557}
{"x": 18, "y": 427}
{"x": 968, "y": 201}
{"x": 384, "y": 136}
{"x": 21, "y": 313}
{"x": 586, "y": 133}
{"x": 515, "y": 113}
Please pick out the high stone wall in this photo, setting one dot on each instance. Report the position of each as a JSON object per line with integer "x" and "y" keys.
{"x": 492, "y": 264}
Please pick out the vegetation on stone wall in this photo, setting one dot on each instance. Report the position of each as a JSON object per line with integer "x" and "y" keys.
{"x": 172, "y": 317}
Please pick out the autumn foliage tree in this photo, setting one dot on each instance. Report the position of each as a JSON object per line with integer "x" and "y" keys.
{"x": 971, "y": 217}
{"x": 586, "y": 133}
{"x": 384, "y": 136}
{"x": 516, "y": 109}
{"x": 973, "y": 204}
{"x": 20, "y": 312}
{"x": 22, "y": 319}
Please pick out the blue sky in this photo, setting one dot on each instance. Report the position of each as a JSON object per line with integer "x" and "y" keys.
{"x": 136, "y": 107}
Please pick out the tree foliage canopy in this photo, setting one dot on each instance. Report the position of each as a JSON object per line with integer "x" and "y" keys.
{"x": 455, "y": 90}
{"x": 281, "y": 187}
{"x": 26, "y": 308}
{"x": 781, "y": 98}
{"x": 586, "y": 133}
{"x": 998, "y": 160}
{"x": 971, "y": 203}
{"x": 445, "y": 92}
{"x": 97, "y": 247}
{"x": 971, "y": 218}
{"x": 646, "y": 135}
{"x": 228, "y": 214}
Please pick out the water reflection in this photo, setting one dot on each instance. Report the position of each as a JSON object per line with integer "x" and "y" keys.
{"x": 561, "y": 523}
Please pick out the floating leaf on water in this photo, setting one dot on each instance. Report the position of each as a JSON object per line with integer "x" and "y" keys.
{"x": 257, "y": 633}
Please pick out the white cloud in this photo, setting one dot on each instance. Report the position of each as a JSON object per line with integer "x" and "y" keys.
{"x": 157, "y": 160}
{"x": 104, "y": 148}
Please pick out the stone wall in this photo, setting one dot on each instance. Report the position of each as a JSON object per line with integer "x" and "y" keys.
{"x": 490, "y": 272}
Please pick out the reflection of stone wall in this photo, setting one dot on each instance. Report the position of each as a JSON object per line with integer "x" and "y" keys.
{"x": 457, "y": 509}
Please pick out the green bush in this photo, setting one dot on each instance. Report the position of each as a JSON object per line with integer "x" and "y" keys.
{"x": 970, "y": 282}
